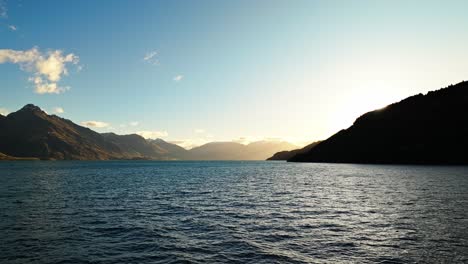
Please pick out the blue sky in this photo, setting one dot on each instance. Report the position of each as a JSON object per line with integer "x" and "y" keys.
{"x": 224, "y": 70}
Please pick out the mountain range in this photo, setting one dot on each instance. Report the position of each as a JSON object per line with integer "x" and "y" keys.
{"x": 259, "y": 150}
{"x": 421, "y": 129}
{"x": 31, "y": 133}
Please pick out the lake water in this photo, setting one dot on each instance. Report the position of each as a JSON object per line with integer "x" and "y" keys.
{"x": 231, "y": 212}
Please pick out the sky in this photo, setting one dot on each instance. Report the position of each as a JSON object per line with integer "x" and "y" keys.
{"x": 197, "y": 71}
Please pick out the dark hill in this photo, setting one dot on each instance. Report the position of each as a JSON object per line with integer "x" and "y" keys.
{"x": 285, "y": 155}
{"x": 30, "y": 132}
{"x": 421, "y": 129}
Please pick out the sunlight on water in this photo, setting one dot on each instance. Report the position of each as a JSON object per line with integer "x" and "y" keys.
{"x": 244, "y": 212}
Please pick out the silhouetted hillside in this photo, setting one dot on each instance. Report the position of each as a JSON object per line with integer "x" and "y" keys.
{"x": 285, "y": 155}
{"x": 421, "y": 129}
{"x": 30, "y": 132}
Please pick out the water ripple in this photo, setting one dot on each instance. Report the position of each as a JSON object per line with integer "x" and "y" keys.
{"x": 231, "y": 212}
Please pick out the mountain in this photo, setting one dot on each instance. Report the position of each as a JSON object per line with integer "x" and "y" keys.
{"x": 217, "y": 151}
{"x": 30, "y": 132}
{"x": 136, "y": 146}
{"x": 285, "y": 155}
{"x": 172, "y": 151}
{"x": 421, "y": 129}
{"x": 259, "y": 150}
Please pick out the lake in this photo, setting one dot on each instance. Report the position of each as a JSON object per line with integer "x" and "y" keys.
{"x": 231, "y": 212}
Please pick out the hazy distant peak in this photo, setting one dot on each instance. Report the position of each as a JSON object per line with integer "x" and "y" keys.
{"x": 157, "y": 140}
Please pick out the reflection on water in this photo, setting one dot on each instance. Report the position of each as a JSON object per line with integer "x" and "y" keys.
{"x": 257, "y": 212}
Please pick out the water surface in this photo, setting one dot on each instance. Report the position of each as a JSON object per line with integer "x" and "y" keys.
{"x": 231, "y": 212}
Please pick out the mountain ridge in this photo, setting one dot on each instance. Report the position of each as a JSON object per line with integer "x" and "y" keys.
{"x": 32, "y": 133}
{"x": 420, "y": 129}
{"x": 228, "y": 150}
{"x": 285, "y": 154}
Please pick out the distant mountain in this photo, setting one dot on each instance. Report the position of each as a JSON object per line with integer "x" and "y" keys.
{"x": 285, "y": 155}
{"x": 136, "y": 146}
{"x": 30, "y": 132}
{"x": 172, "y": 151}
{"x": 421, "y": 129}
{"x": 218, "y": 151}
{"x": 259, "y": 150}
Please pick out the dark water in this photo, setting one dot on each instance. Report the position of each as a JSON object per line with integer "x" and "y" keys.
{"x": 231, "y": 212}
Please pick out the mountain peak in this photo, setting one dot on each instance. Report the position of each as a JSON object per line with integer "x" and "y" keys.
{"x": 31, "y": 108}
{"x": 158, "y": 140}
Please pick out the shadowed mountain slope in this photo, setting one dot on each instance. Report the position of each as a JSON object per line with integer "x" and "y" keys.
{"x": 421, "y": 129}
{"x": 136, "y": 146}
{"x": 285, "y": 155}
{"x": 30, "y": 132}
{"x": 172, "y": 151}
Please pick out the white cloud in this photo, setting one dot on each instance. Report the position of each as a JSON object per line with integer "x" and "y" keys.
{"x": 97, "y": 124}
{"x": 151, "y": 57}
{"x": 3, "y": 9}
{"x": 43, "y": 87}
{"x": 4, "y": 111}
{"x": 199, "y": 131}
{"x": 47, "y": 68}
{"x": 178, "y": 78}
{"x": 152, "y": 134}
{"x": 12, "y": 27}
{"x": 58, "y": 110}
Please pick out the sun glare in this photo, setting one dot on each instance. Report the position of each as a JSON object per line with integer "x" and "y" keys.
{"x": 354, "y": 106}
